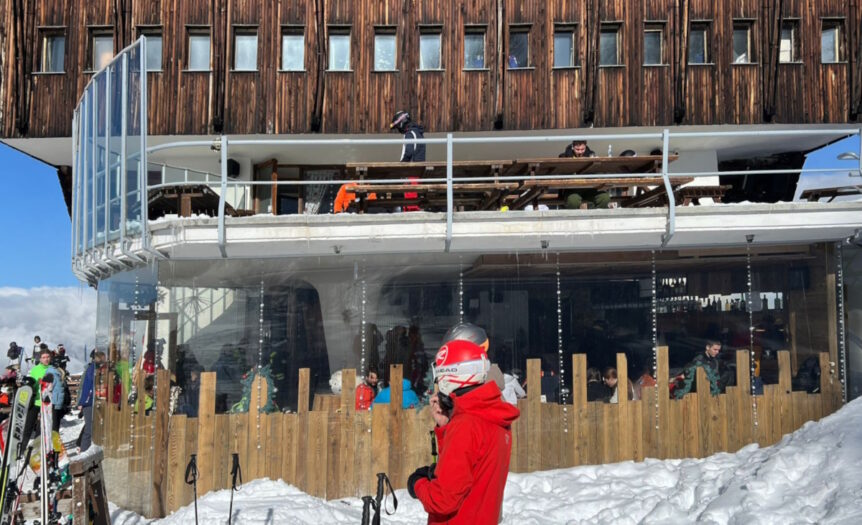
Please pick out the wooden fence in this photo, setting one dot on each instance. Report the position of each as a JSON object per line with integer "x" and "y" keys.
{"x": 337, "y": 452}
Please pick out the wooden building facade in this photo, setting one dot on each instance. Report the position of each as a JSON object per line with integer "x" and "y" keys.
{"x": 786, "y": 75}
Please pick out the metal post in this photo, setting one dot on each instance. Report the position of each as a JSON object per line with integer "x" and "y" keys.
{"x": 107, "y": 73}
{"x": 94, "y": 156}
{"x": 449, "y": 203}
{"x": 142, "y": 173}
{"x": 123, "y": 152}
{"x": 671, "y": 201}
{"x": 221, "y": 198}
{"x": 75, "y": 146}
{"x": 860, "y": 151}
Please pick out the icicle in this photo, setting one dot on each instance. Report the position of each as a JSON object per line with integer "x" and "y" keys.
{"x": 749, "y": 239}
{"x": 563, "y": 390}
{"x": 654, "y": 314}
{"x": 842, "y": 345}
{"x": 259, "y": 363}
{"x": 460, "y": 293}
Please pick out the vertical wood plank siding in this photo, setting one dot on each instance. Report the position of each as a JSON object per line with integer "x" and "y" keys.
{"x": 362, "y": 100}
{"x": 349, "y": 446}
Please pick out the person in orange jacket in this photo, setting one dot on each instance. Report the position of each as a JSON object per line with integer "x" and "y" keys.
{"x": 466, "y": 485}
{"x": 366, "y": 392}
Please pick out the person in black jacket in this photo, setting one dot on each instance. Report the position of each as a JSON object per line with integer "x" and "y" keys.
{"x": 596, "y": 389}
{"x": 588, "y": 197}
{"x": 411, "y": 130}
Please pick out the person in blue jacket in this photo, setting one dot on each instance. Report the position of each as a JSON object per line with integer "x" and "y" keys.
{"x": 85, "y": 400}
{"x": 409, "y": 399}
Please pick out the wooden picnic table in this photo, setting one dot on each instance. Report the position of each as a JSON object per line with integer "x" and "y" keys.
{"x": 187, "y": 199}
{"x": 831, "y": 193}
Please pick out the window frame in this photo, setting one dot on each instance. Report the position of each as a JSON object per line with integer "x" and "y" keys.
{"x": 339, "y": 30}
{"x": 388, "y": 31}
{"x": 656, "y": 26}
{"x": 197, "y": 31}
{"x": 291, "y": 30}
{"x": 151, "y": 31}
{"x": 476, "y": 29}
{"x": 838, "y": 23}
{"x": 47, "y": 33}
{"x": 429, "y": 30}
{"x": 93, "y": 33}
{"x": 519, "y": 29}
{"x": 617, "y": 27}
{"x": 571, "y": 29}
{"x": 747, "y": 25}
{"x": 706, "y": 27}
{"x": 795, "y": 41}
{"x": 245, "y": 30}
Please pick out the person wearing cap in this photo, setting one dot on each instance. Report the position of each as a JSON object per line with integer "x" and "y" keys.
{"x": 474, "y": 441}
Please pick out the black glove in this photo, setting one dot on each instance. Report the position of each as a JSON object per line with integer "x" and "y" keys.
{"x": 426, "y": 472}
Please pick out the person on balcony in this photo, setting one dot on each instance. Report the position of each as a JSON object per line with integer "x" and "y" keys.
{"x": 410, "y": 152}
{"x": 708, "y": 360}
{"x": 586, "y": 198}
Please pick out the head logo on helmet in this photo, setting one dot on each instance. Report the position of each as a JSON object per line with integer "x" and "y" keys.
{"x": 460, "y": 364}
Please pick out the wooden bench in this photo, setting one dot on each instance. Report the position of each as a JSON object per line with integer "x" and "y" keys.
{"x": 185, "y": 200}
{"x": 831, "y": 193}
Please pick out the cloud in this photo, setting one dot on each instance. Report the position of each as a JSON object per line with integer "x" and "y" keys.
{"x": 58, "y": 315}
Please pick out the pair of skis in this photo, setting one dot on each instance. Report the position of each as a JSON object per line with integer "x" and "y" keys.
{"x": 19, "y": 428}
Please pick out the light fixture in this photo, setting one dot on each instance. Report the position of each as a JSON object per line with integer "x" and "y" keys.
{"x": 848, "y": 155}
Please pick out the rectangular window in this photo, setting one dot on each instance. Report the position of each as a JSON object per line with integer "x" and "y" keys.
{"x": 519, "y": 47}
{"x": 831, "y": 41}
{"x": 653, "y": 44}
{"x": 430, "y": 44}
{"x": 53, "y": 52}
{"x": 293, "y": 49}
{"x": 199, "y": 49}
{"x": 339, "y": 49}
{"x": 101, "y": 49}
{"x": 564, "y": 45}
{"x": 788, "y": 50}
{"x": 384, "y": 49}
{"x": 743, "y": 42}
{"x": 474, "y": 48}
{"x": 609, "y": 45}
{"x": 154, "y": 48}
{"x": 698, "y": 43}
{"x": 245, "y": 49}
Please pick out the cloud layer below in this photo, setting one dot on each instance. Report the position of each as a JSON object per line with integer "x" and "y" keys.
{"x": 58, "y": 315}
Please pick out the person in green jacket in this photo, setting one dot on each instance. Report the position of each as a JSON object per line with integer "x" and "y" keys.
{"x": 708, "y": 360}
{"x": 38, "y": 372}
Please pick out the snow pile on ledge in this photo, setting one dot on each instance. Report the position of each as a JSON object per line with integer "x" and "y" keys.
{"x": 812, "y": 476}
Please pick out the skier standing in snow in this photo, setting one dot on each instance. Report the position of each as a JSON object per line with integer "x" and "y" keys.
{"x": 37, "y": 373}
{"x": 466, "y": 485}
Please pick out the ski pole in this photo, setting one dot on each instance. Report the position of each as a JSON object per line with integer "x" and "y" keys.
{"x": 382, "y": 483}
{"x": 367, "y": 505}
{"x": 192, "y": 479}
{"x": 433, "y": 446}
{"x": 235, "y": 472}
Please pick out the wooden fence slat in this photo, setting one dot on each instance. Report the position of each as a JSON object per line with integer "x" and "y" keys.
{"x": 160, "y": 445}
{"x": 176, "y": 466}
{"x": 316, "y": 454}
{"x": 363, "y": 451}
{"x": 274, "y": 445}
{"x": 624, "y": 433}
{"x": 579, "y": 409}
{"x": 533, "y": 410}
{"x": 649, "y": 420}
{"x": 348, "y": 390}
{"x": 380, "y": 441}
{"x": 222, "y": 459}
{"x": 290, "y": 448}
{"x": 704, "y": 413}
{"x": 332, "y": 484}
{"x": 192, "y": 432}
{"x": 206, "y": 423}
{"x": 396, "y": 445}
{"x": 303, "y": 391}
{"x": 662, "y": 375}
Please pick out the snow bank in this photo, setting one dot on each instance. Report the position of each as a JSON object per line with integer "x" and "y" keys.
{"x": 812, "y": 476}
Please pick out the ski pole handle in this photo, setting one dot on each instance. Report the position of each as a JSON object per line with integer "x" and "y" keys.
{"x": 235, "y": 472}
{"x": 367, "y": 505}
{"x": 192, "y": 471}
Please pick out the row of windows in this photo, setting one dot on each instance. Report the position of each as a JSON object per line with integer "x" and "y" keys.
{"x": 245, "y": 46}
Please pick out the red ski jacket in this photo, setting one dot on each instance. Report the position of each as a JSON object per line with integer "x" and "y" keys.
{"x": 364, "y": 396}
{"x": 474, "y": 460}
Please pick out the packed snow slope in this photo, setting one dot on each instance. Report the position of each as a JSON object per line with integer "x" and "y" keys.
{"x": 812, "y": 476}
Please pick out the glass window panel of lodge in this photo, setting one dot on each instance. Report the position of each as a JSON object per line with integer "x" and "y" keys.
{"x": 245, "y": 50}
{"x": 830, "y": 41}
{"x": 743, "y": 44}
{"x": 154, "y": 51}
{"x": 653, "y": 55}
{"x": 430, "y": 43}
{"x": 102, "y": 45}
{"x": 53, "y": 53}
{"x": 339, "y": 51}
{"x": 698, "y": 50}
{"x": 199, "y": 51}
{"x": 519, "y": 47}
{"x": 474, "y": 49}
{"x": 384, "y": 50}
{"x": 788, "y": 50}
{"x": 564, "y": 46}
{"x": 293, "y": 50}
{"x": 609, "y": 45}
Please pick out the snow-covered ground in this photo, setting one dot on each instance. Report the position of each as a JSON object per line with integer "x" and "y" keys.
{"x": 812, "y": 476}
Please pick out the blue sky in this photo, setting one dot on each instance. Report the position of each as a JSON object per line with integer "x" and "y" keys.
{"x": 828, "y": 158}
{"x": 35, "y": 236}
